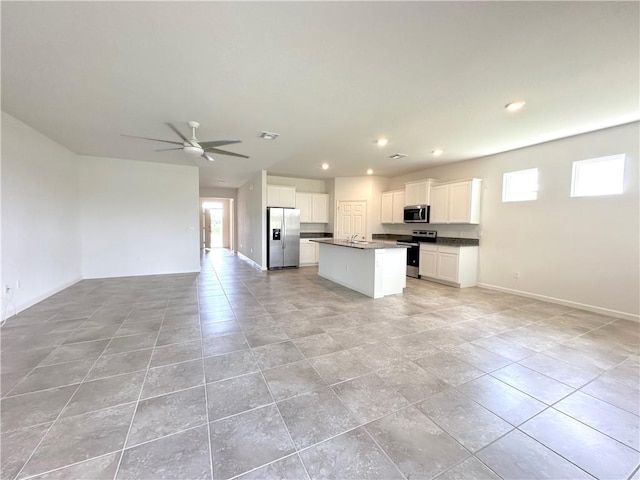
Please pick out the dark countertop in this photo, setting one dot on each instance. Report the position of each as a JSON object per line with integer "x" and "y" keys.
{"x": 445, "y": 241}
{"x": 360, "y": 246}
{"x": 391, "y": 237}
{"x": 458, "y": 242}
{"x": 316, "y": 235}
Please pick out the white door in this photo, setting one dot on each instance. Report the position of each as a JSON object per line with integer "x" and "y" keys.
{"x": 352, "y": 219}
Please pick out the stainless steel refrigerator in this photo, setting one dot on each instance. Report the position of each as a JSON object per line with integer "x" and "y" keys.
{"x": 283, "y": 237}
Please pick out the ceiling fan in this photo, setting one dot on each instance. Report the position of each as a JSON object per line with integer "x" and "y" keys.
{"x": 193, "y": 147}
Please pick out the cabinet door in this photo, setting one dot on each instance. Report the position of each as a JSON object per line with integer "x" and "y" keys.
{"x": 273, "y": 196}
{"x": 439, "y": 204}
{"x": 460, "y": 202}
{"x": 307, "y": 252}
{"x": 320, "y": 208}
{"x": 386, "y": 208}
{"x": 417, "y": 193}
{"x": 428, "y": 264}
{"x": 303, "y": 203}
{"x": 397, "y": 215}
{"x": 448, "y": 267}
{"x": 288, "y": 197}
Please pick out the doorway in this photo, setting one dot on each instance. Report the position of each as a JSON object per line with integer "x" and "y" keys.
{"x": 352, "y": 219}
{"x": 216, "y": 223}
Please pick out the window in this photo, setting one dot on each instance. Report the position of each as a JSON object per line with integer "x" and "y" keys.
{"x": 598, "y": 176}
{"x": 520, "y": 186}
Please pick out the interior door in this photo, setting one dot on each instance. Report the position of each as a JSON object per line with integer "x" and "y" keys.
{"x": 207, "y": 228}
{"x": 352, "y": 219}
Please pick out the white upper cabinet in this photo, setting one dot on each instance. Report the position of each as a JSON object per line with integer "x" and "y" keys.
{"x": 456, "y": 202}
{"x": 314, "y": 207}
{"x": 417, "y": 193}
{"x": 439, "y": 212}
{"x": 281, "y": 196}
{"x": 392, "y": 207}
{"x": 386, "y": 208}
{"x": 319, "y": 208}
{"x": 303, "y": 203}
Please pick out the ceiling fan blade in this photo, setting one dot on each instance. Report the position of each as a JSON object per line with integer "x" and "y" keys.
{"x": 218, "y": 143}
{"x": 167, "y": 149}
{"x": 153, "y": 139}
{"x": 179, "y": 133}
{"x": 224, "y": 152}
{"x": 206, "y": 156}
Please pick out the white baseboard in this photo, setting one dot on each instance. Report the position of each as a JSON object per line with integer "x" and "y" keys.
{"x": 566, "y": 303}
{"x": 23, "y": 306}
{"x": 252, "y": 262}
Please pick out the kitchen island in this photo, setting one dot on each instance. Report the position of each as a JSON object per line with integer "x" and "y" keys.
{"x": 375, "y": 269}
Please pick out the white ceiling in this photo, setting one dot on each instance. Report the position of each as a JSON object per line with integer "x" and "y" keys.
{"x": 330, "y": 77}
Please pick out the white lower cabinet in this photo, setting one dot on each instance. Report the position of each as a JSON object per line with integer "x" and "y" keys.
{"x": 451, "y": 265}
{"x": 308, "y": 252}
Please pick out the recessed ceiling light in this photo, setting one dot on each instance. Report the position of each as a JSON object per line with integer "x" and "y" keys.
{"x": 369, "y": 172}
{"x": 382, "y": 142}
{"x": 514, "y": 106}
{"x": 396, "y": 156}
{"x": 325, "y": 166}
{"x": 269, "y": 135}
{"x": 220, "y": 181}
{"x": 437, "y": 152}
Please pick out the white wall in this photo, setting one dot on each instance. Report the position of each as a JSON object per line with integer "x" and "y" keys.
{"x": 40, "y": 215}
{"x": 302, "y": 184}
{"x": 580, "y": 250}
{"x": 252, "y": 219}
{"x": 138, "y": 218}
{"x": 212, "y": 192}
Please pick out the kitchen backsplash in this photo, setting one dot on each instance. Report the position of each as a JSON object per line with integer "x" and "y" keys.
{"x": 313, "y": 227}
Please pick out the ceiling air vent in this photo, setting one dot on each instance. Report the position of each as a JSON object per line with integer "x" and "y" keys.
{"x": 269, "y": 135}
{"x": 397, "y": 156}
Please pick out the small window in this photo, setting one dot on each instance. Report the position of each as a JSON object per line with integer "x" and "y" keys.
{"x": 520, "y": 186}
{"x": 598, "y": 176}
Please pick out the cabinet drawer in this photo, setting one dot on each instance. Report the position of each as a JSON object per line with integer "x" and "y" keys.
{"x": 426, "y": 247}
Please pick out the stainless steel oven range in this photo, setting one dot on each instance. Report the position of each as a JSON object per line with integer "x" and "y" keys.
{"x": 413, "y": 252}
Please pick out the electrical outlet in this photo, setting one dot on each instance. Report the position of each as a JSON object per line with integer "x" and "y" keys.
{"x": 7, "y": 288}
{"x": 17, "y": 284}
{"x": 516, "y": 275}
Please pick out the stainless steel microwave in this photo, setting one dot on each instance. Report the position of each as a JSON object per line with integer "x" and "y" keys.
{"x": 416, "y": 214}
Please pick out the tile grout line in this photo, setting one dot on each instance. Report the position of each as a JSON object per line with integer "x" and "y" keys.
{"x": 135, "y": 410}
{"x": 55, "y": 420}
{"x": 275, "y": 403}
{"x": 206, "y": 395}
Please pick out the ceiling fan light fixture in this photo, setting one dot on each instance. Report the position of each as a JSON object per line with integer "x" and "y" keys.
{"x": 397, "y": 156}
{"x": 269, "y": 135}
{"x": 514, "y": 106}
{"x": 192, "y": 150}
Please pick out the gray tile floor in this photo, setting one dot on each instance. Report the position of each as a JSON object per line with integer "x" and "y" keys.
{"x": 242, "y": 373}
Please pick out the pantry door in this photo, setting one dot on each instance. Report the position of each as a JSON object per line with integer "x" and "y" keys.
{"x": 352, "y": 219}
